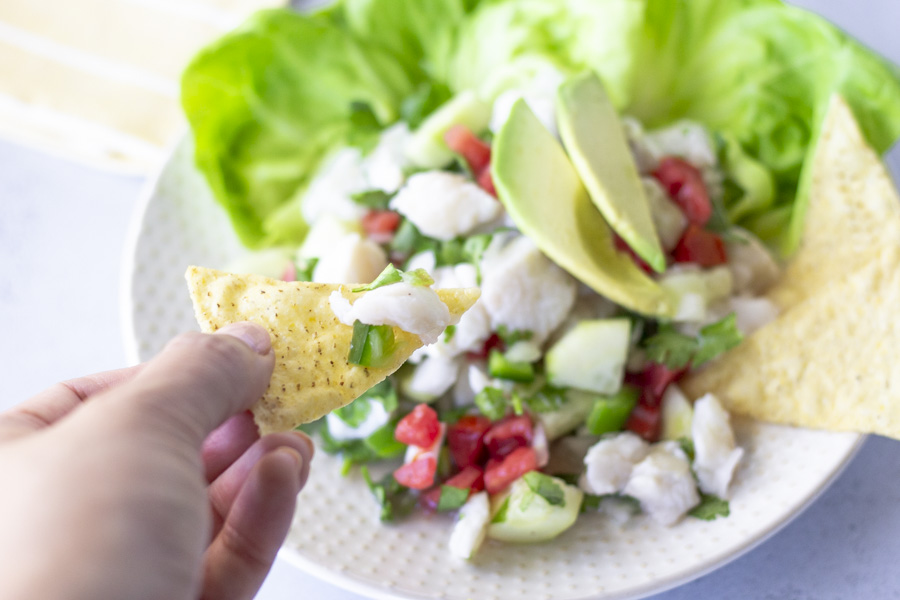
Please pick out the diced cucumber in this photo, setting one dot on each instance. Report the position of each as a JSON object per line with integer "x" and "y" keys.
{"x": 591, "y": 356}
{"x": 569, "y": 416}
{"x": 427, "y": 149}
{"x": 520, "y": 515}
{"x": 697, "y": 289}
{"x": 609, "y": 413}
{"x": 677, "y": 414}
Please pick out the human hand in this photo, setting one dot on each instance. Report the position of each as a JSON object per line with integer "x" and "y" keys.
{"x": 150, "y": 482}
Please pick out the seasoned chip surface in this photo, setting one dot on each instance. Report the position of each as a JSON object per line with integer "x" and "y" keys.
{"x": 830, "y": 361}
{"x": 312, "y": 376}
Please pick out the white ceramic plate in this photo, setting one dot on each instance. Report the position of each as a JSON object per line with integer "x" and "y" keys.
{"x": 336, "y": 533}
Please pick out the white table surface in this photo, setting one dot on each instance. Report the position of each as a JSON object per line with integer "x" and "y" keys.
{"x": 62, "y": 229}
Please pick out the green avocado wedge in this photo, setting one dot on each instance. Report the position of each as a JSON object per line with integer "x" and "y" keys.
{"x": 595, "y": 141}
{"x": 547, "y": 201}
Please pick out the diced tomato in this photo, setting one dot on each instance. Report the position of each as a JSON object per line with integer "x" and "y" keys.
{"x": 486, "y": 182}
{"x": 656, "y": 378}
{"x": 380, "y": 225}
{"x": 622, "y": 246}
{"x": 470, "y": 478}
{"x": 685, "y": 187}
{"x": 701, "y": 247}
{"x": 646, "y": 418}
{"x": 500, "y": 473}
{"x": 419, "y": 474}
{"x": 465, "y": 439}
{"x": 508, "y": 434}
{"x": 419, "y": 428}
{"x": 476, "y": 152}
{"x": 493, "y": 342}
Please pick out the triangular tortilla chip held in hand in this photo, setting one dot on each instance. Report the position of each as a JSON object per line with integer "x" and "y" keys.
{"x": 312, "y": 374}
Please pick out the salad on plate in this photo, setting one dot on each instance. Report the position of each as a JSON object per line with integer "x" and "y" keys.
{"x": 622, "y": 180}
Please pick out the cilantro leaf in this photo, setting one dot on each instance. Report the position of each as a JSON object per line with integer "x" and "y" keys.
{"x": 303, "y": 269}
{"x": 394, "y": 499}
{"x": 452, "y": 498}
{"x": 716, "y": 338}
{"x": 670, "y": 348}
{"x": 545, "y": 487}
{"x": 392, "y": 274}
{"x": 676, "y": 350}
{"x": 511, "y": 337}
{"x": 491, "y": 402}
{"x": 710, "y": 508}
{"x": 422, "y": 102}
{"x": 355, "y": 413}
{"x": 374, "y": 199}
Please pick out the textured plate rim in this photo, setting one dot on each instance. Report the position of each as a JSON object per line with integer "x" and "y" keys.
{"x": 352, "y": 584}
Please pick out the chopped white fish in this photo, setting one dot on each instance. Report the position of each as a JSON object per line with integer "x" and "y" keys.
{"x": 715, "y": 454}
{"x": 375, "y": 420}
{"x": 523, "y": 290}
{"x": 350, "y": 259}
{"x": 474, "y": 327}
{"x": 676, "y": 415}
{"x": 753, "y": 267}
{"x": 462, "y": 392}
{"x": 685, "y": 139}
{"x": 432, "y": 377}
{"x": 321, "y": 237}
{"x": 425, "y": 260}
{"x": 384, "y": 166}
{"x": 539, "y": 94}
{"x": 471, "y": 526}
{"x": 668, "y": 218}
{"x": 609, "y": 463}
{"x": 541, "y": 445}
{"x": 413, "y": 308}
{"x": 663, "y": 483}
{"x": 478, "y": 378}
{"x": 445, "y": 205}
{"x": 752, "y": 313}
{"x": 330, "y": 191}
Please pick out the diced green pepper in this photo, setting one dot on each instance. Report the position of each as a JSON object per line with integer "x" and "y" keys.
{"x": 610, "y": 412}
{"x": 502, "y": 368}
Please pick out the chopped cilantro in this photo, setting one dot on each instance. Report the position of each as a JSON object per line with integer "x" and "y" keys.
{"x": 545, "y": 487}
{"x": 500, "y": 515}
{"x": 392, "y": 274}
{"x": 423, "y": 101}
{"x": 710, "y": 508}
{"x": 491, "y": 402}
{"x": 448, "y": 333}
{"x": 511, "y": 337}
{"x": 452, "y": 498}
{"x": 676, "y": 350}
{"x": 687, "y": 445}
{"x": 303, "y": 269}
{"x": 374, "y": 199}
{"x": 394, "y": 499}
{"x": 355, "y": 413}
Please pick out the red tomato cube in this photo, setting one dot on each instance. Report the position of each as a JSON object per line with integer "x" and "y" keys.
{"x": 465, "y": 439}
{"x": 500, "y": 473}
{"x": 509, "y": 433}
{"x": 419, "y": 474}
{"x": 419, "y": 428}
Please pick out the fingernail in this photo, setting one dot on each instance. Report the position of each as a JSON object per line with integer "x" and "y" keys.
{"x": 251, "y": 334}
{"x": 309, "y": 450}
{"x": 300, "y": 466}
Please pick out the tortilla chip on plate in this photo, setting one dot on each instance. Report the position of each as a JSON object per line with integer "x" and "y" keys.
{"x": 312, "y": 376}
{"x": 831, "y": 360}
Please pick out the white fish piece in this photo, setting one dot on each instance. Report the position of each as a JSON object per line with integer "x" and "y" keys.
{"x": 523, "y": 290}
{"x": 330, "y": 189}
{"x": 375, "y": 420}
{"x": 663, "y": 483}
{"x": 474, "y": 326}
{"x": 716, "y": 455}
{"x": 752, "y": 313}
{"x": 433, "y": 376}
{"x": 752, "y": 266}
{"x": 471, "y": 526}
{"x": 685, "y": 139}
{"x": 609, "y": 462}
{"x": 350, "y": 259}
{"x": 384, "y": 167}
{"x": 445, "y": 205}
{"x": 413, "y": 308}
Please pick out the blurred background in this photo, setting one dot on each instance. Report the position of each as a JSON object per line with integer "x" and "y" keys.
{"x": 88, "y": 111}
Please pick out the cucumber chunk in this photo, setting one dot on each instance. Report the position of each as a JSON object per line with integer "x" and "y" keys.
{"x": 523, "y": 516}
{"x": 591, "y": 356}
{"x": 427, "y": 149}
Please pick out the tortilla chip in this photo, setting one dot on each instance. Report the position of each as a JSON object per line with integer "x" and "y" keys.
{"x": 829, "y": 361}
{"x": 312, "y": 376}
{"x": 853, "y": 210}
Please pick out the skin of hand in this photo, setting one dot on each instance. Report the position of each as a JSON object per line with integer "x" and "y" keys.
{"x": 150, "y": 482}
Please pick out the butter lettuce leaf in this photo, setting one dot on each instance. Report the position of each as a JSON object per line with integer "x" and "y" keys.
{"x": 269, "y": 101}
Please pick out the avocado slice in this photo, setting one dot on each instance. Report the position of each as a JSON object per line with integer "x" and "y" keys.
{"x": 593, "y": 136}
{"x": 547, "y": 201}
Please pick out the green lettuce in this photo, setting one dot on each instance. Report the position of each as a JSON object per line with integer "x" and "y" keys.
{"x": 268, "y": 101}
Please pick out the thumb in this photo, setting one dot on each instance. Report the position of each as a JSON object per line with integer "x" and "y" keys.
{"x": 197, "y": 382}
